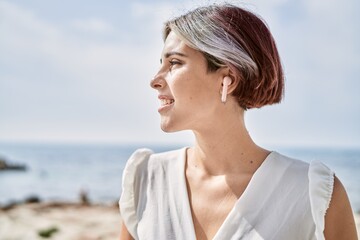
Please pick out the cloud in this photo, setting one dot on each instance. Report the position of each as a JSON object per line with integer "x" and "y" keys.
{"x": 53, "y": 75}
{"x": 93, "y": 25}
{"x": 318, "y": 44}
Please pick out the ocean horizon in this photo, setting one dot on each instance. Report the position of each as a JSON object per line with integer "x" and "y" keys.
{"x": 60, "y": 172}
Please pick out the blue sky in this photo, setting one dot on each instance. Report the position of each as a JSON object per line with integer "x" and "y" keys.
{"x": 79, "y": 71}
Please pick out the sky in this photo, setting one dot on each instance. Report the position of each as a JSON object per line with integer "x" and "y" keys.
{"x": 79, "y": 72}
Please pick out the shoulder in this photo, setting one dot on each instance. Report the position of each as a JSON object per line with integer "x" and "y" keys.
{"x": 144, "y": 166}
{"x": 137, "y": 160}
{"x": 144, "y": 161}
{"x": 166, "y": 157}
{"x": 339, "y": 219}
{"x": 130, "y": 188}
{"x": 293, "y": 162}
{"x": 330, "y": 205}
{"x": 293, "y": 167}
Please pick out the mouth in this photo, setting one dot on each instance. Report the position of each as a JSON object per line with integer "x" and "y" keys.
{"x": 165, "y": 102}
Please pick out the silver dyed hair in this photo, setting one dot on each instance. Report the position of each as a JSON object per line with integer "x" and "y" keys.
{"x": 201, "y": 32}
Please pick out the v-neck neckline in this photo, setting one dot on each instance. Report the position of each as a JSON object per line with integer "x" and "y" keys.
{"x": 188, "y": 214}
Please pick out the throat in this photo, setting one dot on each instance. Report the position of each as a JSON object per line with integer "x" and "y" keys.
{"x": 234, "y": 162}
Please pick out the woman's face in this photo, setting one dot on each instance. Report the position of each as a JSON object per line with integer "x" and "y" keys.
{"x": 189, "y": 95}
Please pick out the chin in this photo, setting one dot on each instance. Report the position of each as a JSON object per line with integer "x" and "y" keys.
{"x": 168, "y": 127}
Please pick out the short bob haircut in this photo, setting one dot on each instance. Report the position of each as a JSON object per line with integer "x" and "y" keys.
{"x": 230, "y": 36}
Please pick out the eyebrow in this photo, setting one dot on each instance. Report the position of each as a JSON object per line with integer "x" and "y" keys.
{"x": 169, "y": 54}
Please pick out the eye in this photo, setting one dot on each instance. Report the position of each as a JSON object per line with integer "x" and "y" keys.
{"x": 174, "y": 62}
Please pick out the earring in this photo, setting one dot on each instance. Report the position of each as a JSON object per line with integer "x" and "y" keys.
{"x": 226, "y": 82}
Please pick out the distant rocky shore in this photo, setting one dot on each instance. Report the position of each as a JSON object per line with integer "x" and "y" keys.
{"x": 5, "y": 165}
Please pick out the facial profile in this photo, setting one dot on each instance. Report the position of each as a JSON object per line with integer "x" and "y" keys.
{"x": 236, "y": 38}
{"x": 189, "y": 94}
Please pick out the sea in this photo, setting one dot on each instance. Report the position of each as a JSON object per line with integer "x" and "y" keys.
{"x": 61, "y": 172}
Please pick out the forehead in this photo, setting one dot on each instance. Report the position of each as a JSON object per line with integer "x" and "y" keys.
{"x": 174, "y": 44}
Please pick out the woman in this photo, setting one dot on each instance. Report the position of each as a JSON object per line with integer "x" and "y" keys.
{"x": 218, "y": 61}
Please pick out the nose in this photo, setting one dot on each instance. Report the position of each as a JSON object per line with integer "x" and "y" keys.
{"x": 157, "y": 82}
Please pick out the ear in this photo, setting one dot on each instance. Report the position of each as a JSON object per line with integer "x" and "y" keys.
{"x": 234, "y": 79}
{"x": 225, "y": 84}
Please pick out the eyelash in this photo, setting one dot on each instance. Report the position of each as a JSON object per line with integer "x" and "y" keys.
{"x": 174, "y": 62}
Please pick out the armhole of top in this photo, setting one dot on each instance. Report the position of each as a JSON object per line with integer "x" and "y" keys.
{"x": 129, "y": 194}
{"x": 321, "y": 184}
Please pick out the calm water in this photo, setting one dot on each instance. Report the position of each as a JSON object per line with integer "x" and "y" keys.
{"x": 60, "y": 172}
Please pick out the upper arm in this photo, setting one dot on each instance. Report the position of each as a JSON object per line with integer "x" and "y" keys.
{"x": 133, "y": 179}
{"x": 124, "y": 233}
{"x": 339, "y": 219}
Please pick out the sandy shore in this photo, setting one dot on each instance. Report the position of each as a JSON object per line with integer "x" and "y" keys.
{"x": 60, "y": 221}
{"x": 65, "y": 221}
{"x": 357, "y": 221}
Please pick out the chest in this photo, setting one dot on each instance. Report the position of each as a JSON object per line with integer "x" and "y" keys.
{"x": 209, "y": 214}
{"x": 211, "y": 202}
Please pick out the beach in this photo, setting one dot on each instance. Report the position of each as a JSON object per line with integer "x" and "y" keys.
{"x": 60, "y": 221}
{"x": 65, "y": 221}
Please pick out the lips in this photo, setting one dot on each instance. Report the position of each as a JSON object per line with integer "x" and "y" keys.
{"x": 165, "y": 102}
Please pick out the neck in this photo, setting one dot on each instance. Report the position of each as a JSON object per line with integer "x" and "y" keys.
{"x": 225, "y": 147}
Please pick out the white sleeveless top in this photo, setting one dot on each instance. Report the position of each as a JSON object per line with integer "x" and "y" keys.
{"x": 285, "y": 199}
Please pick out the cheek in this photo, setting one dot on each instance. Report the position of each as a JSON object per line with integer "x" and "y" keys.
{"x": 195, "y": 98}
{"x": 187, "y": 93}
{"x": 193, "y": 88}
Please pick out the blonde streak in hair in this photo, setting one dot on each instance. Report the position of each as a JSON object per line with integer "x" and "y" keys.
{"x": 225, "y": 50}
{"x": 206, "y": 36}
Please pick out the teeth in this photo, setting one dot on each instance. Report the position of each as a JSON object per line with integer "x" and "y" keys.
{"x": 166, "y": 101}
